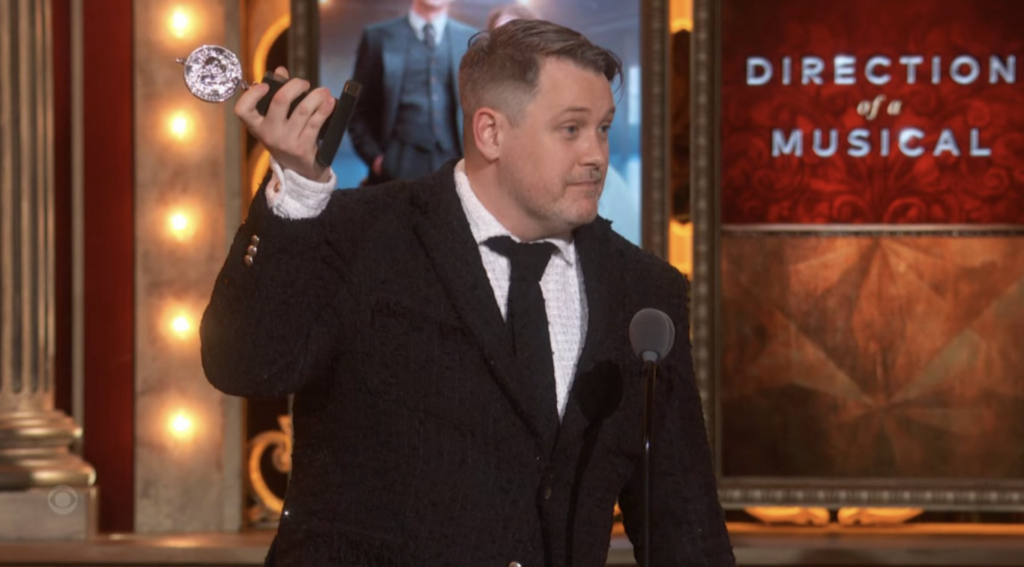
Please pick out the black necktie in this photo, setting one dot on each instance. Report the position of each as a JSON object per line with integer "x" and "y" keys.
{"x": 428, "y": 36}
{"x": 528, "y": 320}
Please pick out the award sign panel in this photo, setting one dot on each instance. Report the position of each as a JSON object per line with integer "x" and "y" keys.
{"x": 872, "y": 112}
{"x": 871, "y": 254}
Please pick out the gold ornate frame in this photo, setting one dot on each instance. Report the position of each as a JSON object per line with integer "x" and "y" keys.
{"x": 739, "y": 492}
{"x": 655, "y": 126}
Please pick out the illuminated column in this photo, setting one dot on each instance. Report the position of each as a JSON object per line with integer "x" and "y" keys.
{"x": 34, "y": 437}
{"x": 188, "y": 438}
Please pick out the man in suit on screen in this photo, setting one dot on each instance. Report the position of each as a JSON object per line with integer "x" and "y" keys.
{"x": 408, "y": 122}
{"x": 457, "y": 345}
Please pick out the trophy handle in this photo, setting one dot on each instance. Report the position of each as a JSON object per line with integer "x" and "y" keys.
{"x": 332, "y": 132}
{"x": 334, "y": 129}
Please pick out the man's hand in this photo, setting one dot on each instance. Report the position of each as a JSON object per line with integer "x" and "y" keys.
{"x": 291, "y": 140}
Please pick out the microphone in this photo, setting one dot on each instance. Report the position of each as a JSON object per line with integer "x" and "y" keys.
{"x": 651, "y": 334}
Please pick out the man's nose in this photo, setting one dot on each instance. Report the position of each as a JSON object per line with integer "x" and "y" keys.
{"x": 594, "y": 152}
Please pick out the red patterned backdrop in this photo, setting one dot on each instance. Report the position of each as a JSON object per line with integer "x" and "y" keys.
{"x": 893, "y": 189}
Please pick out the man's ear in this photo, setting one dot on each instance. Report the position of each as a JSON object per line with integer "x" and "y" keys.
{"x": 489, "y": 127}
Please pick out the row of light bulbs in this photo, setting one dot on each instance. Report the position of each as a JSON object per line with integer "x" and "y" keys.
{"x": 180, "y": 124}
{"x": 180, "y": 227}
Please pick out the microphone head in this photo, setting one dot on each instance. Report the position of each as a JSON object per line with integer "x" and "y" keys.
{"x": 652, "y": 334}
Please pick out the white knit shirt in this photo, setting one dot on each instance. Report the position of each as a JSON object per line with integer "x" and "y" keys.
{"x": 291, "y": 196}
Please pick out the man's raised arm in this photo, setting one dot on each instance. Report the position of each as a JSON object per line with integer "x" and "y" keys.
{"x": 269, "y": 327}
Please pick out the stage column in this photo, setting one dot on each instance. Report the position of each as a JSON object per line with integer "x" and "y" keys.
{"x": 43, "y": 486}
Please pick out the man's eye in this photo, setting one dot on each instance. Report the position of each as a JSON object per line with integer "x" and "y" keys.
{"x": 605, "y": 128}
{"x": 571, "y": 130}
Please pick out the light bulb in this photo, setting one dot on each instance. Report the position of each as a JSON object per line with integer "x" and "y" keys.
{"x": 180, "y": 125}
{"x": 179, "y": 23}
{"x": 181, "y": 425}
{"x": 180, "y": 226}
{"x": 181, "y": 326}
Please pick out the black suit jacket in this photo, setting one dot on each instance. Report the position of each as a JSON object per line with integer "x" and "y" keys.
{"x": 380, "y": 67}
{"x": 416, "y": 442}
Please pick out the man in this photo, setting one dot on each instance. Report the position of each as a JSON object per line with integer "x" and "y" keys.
{"x": 440, "y": 418}
{"x": 408, "y": 123}
{"x": 618, "y": 198}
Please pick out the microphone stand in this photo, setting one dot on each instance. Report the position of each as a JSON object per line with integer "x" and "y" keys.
{"x": 650, "y": 377}
{"x": 651, "y": 334}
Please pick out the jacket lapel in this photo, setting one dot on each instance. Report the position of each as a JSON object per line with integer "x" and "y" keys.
{"x": 444, "y": 232}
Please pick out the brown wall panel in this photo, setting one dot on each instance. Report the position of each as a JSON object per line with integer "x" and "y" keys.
{"x": 872, "y": 356}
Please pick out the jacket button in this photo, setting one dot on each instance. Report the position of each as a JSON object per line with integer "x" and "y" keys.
{"x": 547, "y": 493}
{"x": 515, "y": 564}
{"x": 247, "y": 260}
{"x": 252, "y": 251}
{"x": 255, "y": 240}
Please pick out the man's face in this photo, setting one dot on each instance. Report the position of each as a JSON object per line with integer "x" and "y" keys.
{"x": 554, "y": 158}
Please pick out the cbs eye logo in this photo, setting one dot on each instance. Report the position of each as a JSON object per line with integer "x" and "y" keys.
{"x": 62, "y": 500}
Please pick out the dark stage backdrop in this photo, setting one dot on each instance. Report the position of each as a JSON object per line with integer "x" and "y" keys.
{"x": 872, "y": 285}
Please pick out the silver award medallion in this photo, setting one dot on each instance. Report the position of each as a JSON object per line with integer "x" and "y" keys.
{"x": 213, "y": 73}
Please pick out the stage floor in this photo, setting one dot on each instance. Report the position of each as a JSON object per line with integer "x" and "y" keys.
{"x": 935, "y": 545}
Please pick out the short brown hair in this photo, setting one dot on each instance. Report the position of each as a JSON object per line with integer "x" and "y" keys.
{"x": 501, "y": 68}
